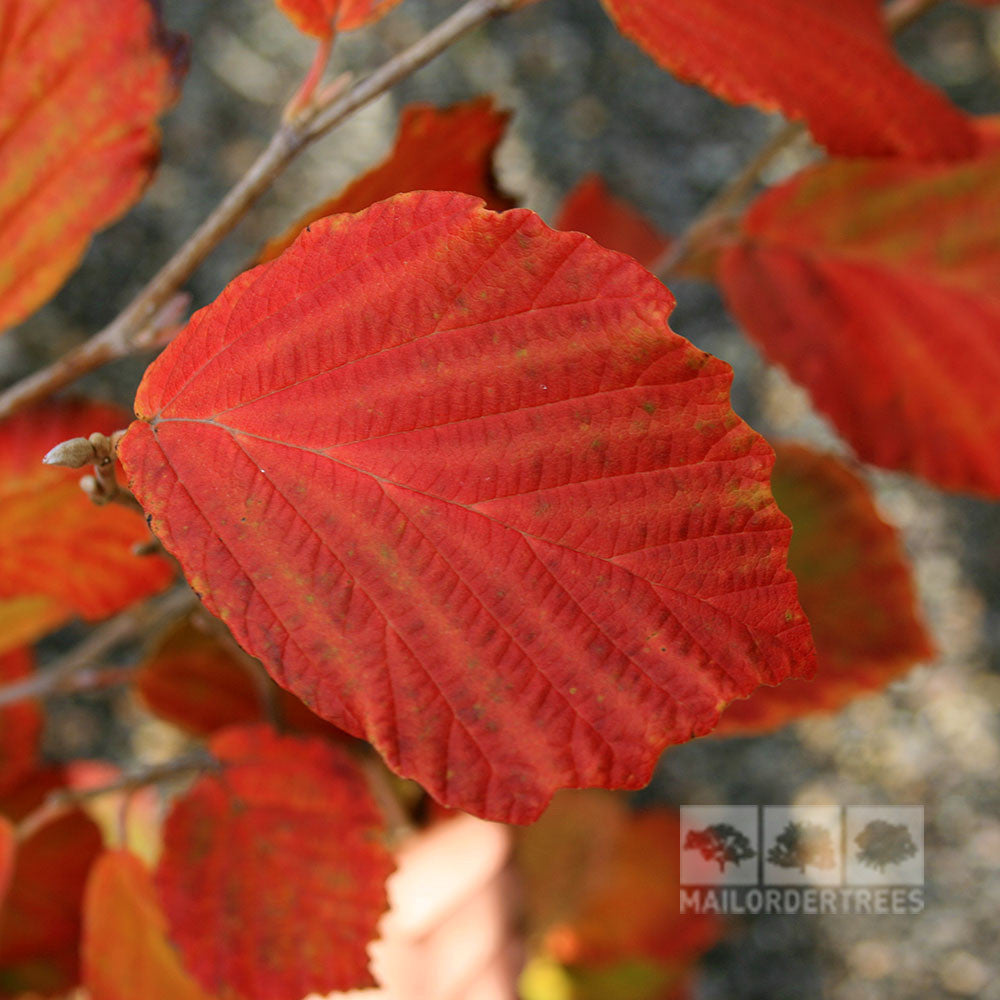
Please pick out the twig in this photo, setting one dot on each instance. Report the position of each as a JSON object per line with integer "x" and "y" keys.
{"x": 130, "y": 624}
{"x": 131, "y": 326}
{"x": 728, "y": 201}
{"x": 902, "y": 13}
{"x": 64, "y": 799}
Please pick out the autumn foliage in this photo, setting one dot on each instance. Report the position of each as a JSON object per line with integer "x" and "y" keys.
{"x": 457, "y": 503}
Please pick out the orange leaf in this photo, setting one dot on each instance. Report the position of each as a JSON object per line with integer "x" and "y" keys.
{"x": 435, "y": 150}
{"x": 590, "y": 208}
{"x": 40, "y": 919}
{"x": 323, "y": 18}
{"x": 20, "y": 724}
{"x": 851, "y": 569}
{"x": 828, "y": 63}
{"x": 82, "y": 83}
{"x": 59, "y": 554}
{"x": 273, "y": 875}
{"x": 452, "y": 478}
{"x": 877, "y": 286}
{"x": 612, "y": 897}
{"x": 126, "y": 954}
{"x": 193, "y": 681}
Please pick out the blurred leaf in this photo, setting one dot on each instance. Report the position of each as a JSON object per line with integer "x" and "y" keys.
{"x": 877, "y": 286}
{"x": 273, "y": 874}
{"x": 855, "y": 585}
{"x": 82, "y": 83}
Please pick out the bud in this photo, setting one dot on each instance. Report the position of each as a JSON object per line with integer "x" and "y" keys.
{"x": 73, "y": 454}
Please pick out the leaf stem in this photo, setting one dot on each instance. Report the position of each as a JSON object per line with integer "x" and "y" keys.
{"x": 133, "y": 623}
{"x": 132, "y": 328}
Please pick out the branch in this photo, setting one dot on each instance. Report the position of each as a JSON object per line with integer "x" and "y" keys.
{"x": 729, "y": 200}
{"x": 135, "y": 327}
{"x": 130, "y": 624}
{"x": 64, "y": 799}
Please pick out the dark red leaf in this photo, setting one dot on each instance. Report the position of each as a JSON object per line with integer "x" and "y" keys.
{"x": 192, "y": 680}
{"x": 40, "y": 919}
{"x": 273, "y": 874}
{"x": 453, "y": 479}
{"x": 829, "y": 63}
{"x": 855, "y": 585}
{"x": 20, "y": 724}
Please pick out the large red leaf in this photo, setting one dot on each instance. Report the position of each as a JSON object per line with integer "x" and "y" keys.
{"x": 877, "y": 285}
{"x": 435, "y": 150}
{"x": 20, "y": 724}
{"x": 453, "y": 479}
{"x": 40, "y": 919}
{"x": 81, "y": 85}
{"x": 273, "y": 875}
{"x": 323, "y": 18}
{"x": 828, "y": 63}
{"x": 855, "y": 585}
{"x": 59, "y": 554}
{"x": 590, "y": 208}
{"x": 126, "y": 954}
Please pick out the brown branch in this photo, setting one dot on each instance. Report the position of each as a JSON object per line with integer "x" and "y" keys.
{"x": 134, "y": 328}
{"x": 64, "y": 799}
{"x": 130, "y": 624}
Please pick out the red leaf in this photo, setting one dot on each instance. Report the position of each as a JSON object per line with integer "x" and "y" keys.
{"x": 8, "y": 847}
{"x": 590, "y": 208}
{"x": 193, "y": 681}
{"x": 435, "y": 150}
{"x": 453, "y": 479}
{"x": 854, "y": 584}
{"x": 272, "y": 875}
{"x": 877, "y": 285}
{"x": 323, "y": 18}
{"x": 59, "y": 554}
{"x": 82, "y": 83}
{"x": 40, "y": 920}
{"x": 612, "y": 895}
{"x": 829, "y": 63}
{"x": 20, "y": 724}
{"x": 126, "y": 954}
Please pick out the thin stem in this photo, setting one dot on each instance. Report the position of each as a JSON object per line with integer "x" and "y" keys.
{"x": 131, "y": 624}
{"x": 902, "y": 13}
{"x": 64, "y": 799}
{"x": 729, "y": 198}
{"x": 132, "y": 328}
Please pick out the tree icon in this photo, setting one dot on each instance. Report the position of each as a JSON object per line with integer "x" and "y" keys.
{"x": 720, "y": 842}
{"x": 802, "y": 845}
{"x": 881, "y": 844}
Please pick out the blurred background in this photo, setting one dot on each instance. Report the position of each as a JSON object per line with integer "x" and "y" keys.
{"x": 586, "y": 100}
